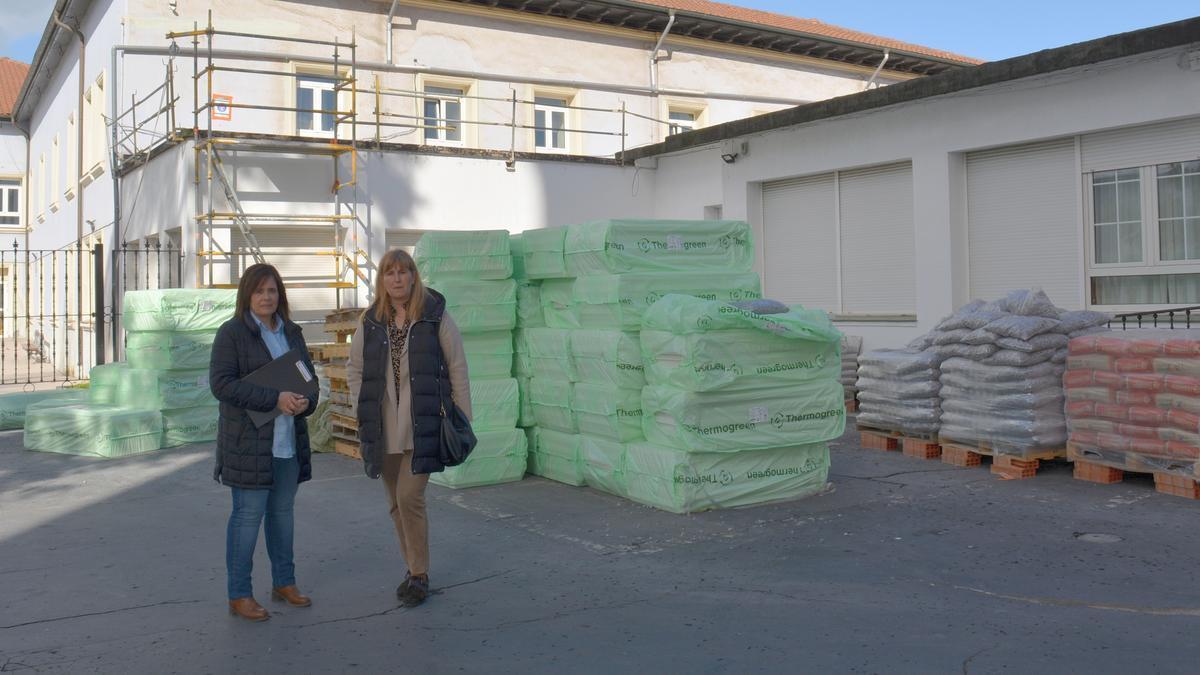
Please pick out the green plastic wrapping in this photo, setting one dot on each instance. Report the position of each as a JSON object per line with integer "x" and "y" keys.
{"x": 479, "y": 254}
{"x": 544, "y": 253}
{"x": 609, "y": 357}
{"x": 495, "y": 403}
{"x": 516, "y": 247}
{"x": 490, "y": 354}
{"x": 481, "y": 306}
{"x": 602, "y": 462}
{"x": 683, "y": 482}
{"x": 618, "y": 246}
{"x": 552, "y": 402}
{"x": 558, "y": 308}
{"x": 608, "y": 412}
{"x": 499, "y": 457}
{"x": 699, "y": 345}
{"x": 522, "y": 363}
{"x": 145, "y": 389}
{"x": 750, "y": 418}
{"x": 189, "y": 425}
{"x": 14, "y": 404}
{"x": 619, "y": 301}
{"x": 529, "y": 306}
{"x": 555, "y": 455}
{"x": 320, "y": 431}
{"x": 161, "y": 350}
{"x": 178, "y": 309}
{"x": 96, "y": 430}
{"x": 526, "y": 418}
{"x": 550, "y": 353}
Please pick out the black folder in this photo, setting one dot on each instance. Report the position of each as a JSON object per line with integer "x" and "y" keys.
{"x": 286, "y": 373}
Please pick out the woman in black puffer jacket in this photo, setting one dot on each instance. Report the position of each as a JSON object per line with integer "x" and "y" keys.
{"x": 263, "y": 466}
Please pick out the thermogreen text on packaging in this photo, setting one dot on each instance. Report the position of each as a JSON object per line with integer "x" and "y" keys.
{"x": 618, "y": 246}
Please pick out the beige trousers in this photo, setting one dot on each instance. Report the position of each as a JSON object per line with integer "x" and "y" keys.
{"x": 406, "y": 499}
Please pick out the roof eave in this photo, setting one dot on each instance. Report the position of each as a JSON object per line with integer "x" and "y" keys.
{"x": 1113, "y": 47}
{"x": 36, "y": 71}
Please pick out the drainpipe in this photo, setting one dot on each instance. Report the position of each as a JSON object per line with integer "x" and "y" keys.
{"x": 886, "y": 54}
{"x": 78, "y": 180}
{"x": 654, "y": 54}
{"x": 391, "y": 15}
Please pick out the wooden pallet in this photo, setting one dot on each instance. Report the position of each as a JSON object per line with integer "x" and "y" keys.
{"x": 1178, "y": 481}
{"x": 1006, "y": 466}
{"x": 346, "y": 447}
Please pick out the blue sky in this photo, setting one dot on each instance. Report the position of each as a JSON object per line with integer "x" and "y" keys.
{"x": 985, "y": 30}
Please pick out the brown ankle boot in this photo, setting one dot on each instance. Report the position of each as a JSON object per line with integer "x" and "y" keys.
{"x": 292, "y": 595}
{"x": 249, "y": 609}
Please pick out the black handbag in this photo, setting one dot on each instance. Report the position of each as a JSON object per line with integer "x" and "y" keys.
{"x": 457, "y": 436}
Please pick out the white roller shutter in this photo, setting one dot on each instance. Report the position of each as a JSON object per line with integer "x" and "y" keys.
{"x": 290, "y": 250}
{"x": 1023, "y": 222}
{"x": 878, "y": 249}
{"x": 800, "y": 242}
{"x": 1174, "y": 141}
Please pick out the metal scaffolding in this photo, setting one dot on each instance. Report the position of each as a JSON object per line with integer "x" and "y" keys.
{"x": 211, "y": 170}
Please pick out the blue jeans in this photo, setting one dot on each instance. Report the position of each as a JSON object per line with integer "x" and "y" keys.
{"x": 249, "y": 507}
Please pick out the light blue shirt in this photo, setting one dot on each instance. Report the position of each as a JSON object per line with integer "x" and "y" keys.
{"x": 284, "y": 444}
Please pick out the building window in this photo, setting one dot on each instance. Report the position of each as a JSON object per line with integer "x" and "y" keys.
{"x": 550, "y": 123}
{"x": 1157, "y": 264}
{"x": 1179, "y": 210}
{"x": 680, "y": 121}
{"x": 10, "y": 202}
{"x": 1118, "y": 216}
{"x": 54, "y": 171}
{"x": 443, "y": 115}
{"x": 72, "y": 158}
{"x": 316, "y": 105}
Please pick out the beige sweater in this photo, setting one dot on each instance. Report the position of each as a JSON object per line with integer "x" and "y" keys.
{"x": 397, "y": 406}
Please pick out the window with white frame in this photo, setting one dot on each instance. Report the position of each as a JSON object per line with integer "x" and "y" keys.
{"x": 54, "y": 172}
{"x": 443, "y": 114}
{"x": 550, "y": 123}
{"x": 1145, "y": 227}
{"x": 10, "y": 201}
{"x": 679, "y": 121}
{"x": 316, "y": 106}
{"x": 72, "y": 158}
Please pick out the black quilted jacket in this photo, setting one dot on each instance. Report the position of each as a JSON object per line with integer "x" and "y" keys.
{"x": 244, "y": 451}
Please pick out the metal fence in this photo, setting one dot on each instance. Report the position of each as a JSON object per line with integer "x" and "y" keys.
{"x": 60, "y": 309}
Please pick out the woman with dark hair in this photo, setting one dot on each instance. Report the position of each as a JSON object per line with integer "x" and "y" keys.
{"x": 406, "y": 365}
{"x": 263, "y": 466}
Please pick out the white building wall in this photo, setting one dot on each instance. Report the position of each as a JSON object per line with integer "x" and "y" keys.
{"x": 501, "y": 47}
{"x": 935, "y": 134}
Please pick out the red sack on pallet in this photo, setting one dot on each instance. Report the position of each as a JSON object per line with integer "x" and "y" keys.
{"x": 1096, "y": 394}
{"x": 1111, "y": 345}
{"x": 1134, "y": 364}
{"x": 1085, "y": 437}
{"x": 1135, "y": 431}
{"x": 1114, "y": 442}
{"x": 1135, "y": 397}
{"x": 1086, "y": 344}
{"x": 1179, "y": 384}
{"x": 1183, "y": 419}
{"x": 1182, "y": 450}
{"x": 1107, "y": 379}
{"x": 1146, "y": 347}
{"x": 1148, "y": 447}
{"x": 1145, "y": 416}
{"x": 1189, "y": 367}
{"x": 1112, "y": 411}
{"x": 1181, "y": 348}
{"x": 1081, "y": 409}
{"x": 1079, "y": 378}
{"x": 1146, "y": 381}
{"x": 1177, "y": 402}
{"x": 1089, "y": 362}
